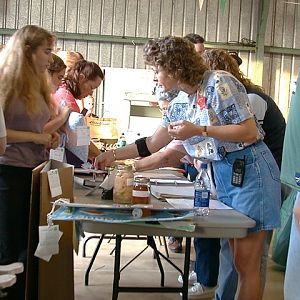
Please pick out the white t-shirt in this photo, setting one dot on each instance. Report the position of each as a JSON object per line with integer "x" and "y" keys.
{"x": 2, "y": 124}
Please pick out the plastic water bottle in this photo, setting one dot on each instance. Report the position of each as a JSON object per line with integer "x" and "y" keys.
{"x": 202, "y": 192}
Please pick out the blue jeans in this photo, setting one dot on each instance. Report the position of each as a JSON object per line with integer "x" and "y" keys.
{"x": 207, "y": 260}
{"x": 228, "y": 277}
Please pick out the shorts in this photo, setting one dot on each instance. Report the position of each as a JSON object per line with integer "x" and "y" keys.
{"x": 260, "y": 195}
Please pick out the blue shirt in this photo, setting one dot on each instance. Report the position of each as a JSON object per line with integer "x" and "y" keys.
{"x": 220, "y": 100}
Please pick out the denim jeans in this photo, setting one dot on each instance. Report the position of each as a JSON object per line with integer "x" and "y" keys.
{"x": 228, "y": 277}
{"x": 207, "y": 260}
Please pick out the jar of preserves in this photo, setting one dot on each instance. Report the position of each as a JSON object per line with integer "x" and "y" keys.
{"x": 141, "y": 193}
{"x": 141, "y": 190}
{"x": 123, "y": 185}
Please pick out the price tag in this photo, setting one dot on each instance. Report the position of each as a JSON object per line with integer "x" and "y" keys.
{"x": 83, "y": 136}
{"x": 57, "y": 154}
{"x": 54, "y": 183}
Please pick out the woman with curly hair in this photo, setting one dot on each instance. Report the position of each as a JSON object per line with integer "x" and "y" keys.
{"x": 26, "y": 101}
{"x": 212, "y": 116}
{"x": 273, "y": 123}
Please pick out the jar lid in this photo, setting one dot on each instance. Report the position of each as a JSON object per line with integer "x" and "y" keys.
{"x": 141, "y": 179}
{"x": 124, "y": 167}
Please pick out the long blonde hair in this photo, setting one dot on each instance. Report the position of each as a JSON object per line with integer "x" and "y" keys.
{"x": 18, "y": 76}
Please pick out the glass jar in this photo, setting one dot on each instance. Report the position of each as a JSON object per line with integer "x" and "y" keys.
{"x": 123, "y": 184}
{"x": 141, "y": 190}
{"x": 141, "y": 193}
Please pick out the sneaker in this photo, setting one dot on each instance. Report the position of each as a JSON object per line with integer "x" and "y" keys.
{"x": 14, "y": 268}
{"x": 192, "y": 278}
{"x": 7, "y": 280}
{"x": 199, "y": 291}
{"x": 174, "y": 245}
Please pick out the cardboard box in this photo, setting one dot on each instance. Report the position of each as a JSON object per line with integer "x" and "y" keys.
{"x": 53, "y": 279}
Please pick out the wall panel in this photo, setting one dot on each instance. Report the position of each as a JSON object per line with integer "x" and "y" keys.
{"x": 152, "y": 18}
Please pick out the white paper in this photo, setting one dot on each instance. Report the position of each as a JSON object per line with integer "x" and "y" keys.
{"x": 189, "y": 203}
{"x": 164, "y": 191}
{"x": 108, "y": 182}
{"x": 158, "y": 175}
{"x": 171, "y": 181}
{"x": 54, "y": 183}
{"x": 49, "y": 237}
{"x": 57, "y": 154}
{"x": 83, "y": 136}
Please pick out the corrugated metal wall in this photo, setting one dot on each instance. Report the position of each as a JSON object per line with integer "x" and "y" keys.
{"x": 217, "y": 21}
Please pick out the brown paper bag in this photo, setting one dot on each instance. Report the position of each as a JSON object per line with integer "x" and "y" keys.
{"x": 56, "y": 277}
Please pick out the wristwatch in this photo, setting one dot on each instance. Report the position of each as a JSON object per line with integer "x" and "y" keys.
{"x": 204, "y": 132}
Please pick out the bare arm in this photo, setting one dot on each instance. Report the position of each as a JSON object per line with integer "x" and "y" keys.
{"x": 54, "y": 124}
{"x": 166, "y": 158}
{"x": 2, "y": 145}
{"x": 243, "y": 132}
{"x": 158, "y": 140}
{"x": 16, "y": 136}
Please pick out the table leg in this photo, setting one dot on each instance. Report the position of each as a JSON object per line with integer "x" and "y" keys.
{"x": 151, "y": 243}
{"x": 117, "y": 268}
{"x": 185, "y": 276}
{"x": 87, "y": 272}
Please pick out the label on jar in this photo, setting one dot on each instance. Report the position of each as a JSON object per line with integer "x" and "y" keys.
{"x": 129, "y": 181}
{"x": 142, "y": 194}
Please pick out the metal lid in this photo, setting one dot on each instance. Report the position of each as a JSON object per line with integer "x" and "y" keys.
{"x": 123, "y": 167}
{"x": 141, "y": 179}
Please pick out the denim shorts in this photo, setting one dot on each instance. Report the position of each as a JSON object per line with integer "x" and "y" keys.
{"x": 260, "y": 195}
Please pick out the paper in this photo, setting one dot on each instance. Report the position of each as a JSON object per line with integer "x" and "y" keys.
{"x": 57, "y": 154}
{"x": 54, "y": 183}
{"x": 163, "y": 191}
{"x": 159, "y": 175}
{"x": 171, "y": 181}
{"x": 185, "y": 203}
{"x": 49, "y": 237}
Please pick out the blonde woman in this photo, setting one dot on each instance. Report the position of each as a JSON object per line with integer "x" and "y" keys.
{"x": 26, "y": 102}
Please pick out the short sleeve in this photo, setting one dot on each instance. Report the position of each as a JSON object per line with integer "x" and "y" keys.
{"x": 229, "y": 99}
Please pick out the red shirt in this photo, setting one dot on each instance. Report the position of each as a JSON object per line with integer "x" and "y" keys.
{"x": 63, "y": 94}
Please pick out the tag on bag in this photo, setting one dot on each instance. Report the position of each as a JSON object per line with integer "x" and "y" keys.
{"x": 57, "y": 154}
{"x": 54, "y": 183}
{"x": 49, "y": 237}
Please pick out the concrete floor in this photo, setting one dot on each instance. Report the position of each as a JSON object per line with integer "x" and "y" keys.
{"x": 143, "y": 271}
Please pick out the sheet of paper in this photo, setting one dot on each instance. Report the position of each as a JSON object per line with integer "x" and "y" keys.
{"x": 159, "y": 175}
{"x": 189, "y": 203}
{"x": 171, "y": 181}
{"x": 163, "y": 191}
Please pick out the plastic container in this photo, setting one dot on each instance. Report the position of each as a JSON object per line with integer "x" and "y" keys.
{"x": 202, "y": 192}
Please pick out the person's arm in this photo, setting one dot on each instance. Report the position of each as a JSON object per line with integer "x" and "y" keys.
{"x": 54, "y": 124}
{"x": 246, "y": 131}
{"x": 2, "y": 145}
{"x": 158, "y": 140}
{"x": 166, "y": 158}
{"x": 16, "y": 136}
